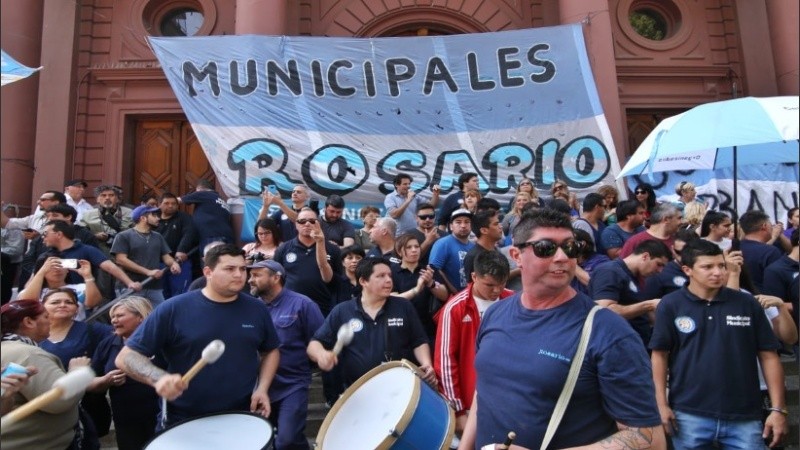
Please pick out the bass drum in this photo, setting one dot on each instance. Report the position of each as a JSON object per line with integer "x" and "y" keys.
{"x": 228, "y": 430}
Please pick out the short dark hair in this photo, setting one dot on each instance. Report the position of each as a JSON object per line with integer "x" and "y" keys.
{"x": 352, "y": 250}
{"x": 147, "y": 196}
{"x": 487, "y": 203}
{"x": 211, "y": 258}
{"x": 586, "y": 241}
{"x": 403, "y": 240}
{"x": 794, "y": 239}
{"x": 685, "y": 235}
{"x": 464, "y": 178}
{"x": 751, "y": 221}
{"x": 271, "y": 225}
{"x": 425, "y": 206}
{"x": 205, "y": 184}
{"x": 167, "y": 195}
{"x": 398, "y": 179}
{"x": 63, "y": 227}
{"x": 592, "y": 201}
{"x": 493, "y": 264}
{"x": 560, "y": 206}
{"x": 482, "y": 219}
{"x": 542, "y": 218}
{"x": 65, "y": 210}
{"x": 59, "y": 196}
{"x": 366, "y": 267}
{"x": 335, "y": 201}
{"x": 653, "y": 247}
{"x": 627, "y": 208}
{"x": 711, "y": 218}
{"x": 697, "y": 248}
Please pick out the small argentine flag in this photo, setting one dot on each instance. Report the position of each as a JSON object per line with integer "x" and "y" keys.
{"x": 12, "y": 70}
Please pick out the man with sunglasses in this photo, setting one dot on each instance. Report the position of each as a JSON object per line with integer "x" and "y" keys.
{"x": 525, "y": 346}
{"x": 32, "y": 225}
{"x": 403, "y": 203}
{"x": 615, "y": 285}
{"x": 310, "y": 260}
{"x": 426, "y": 231}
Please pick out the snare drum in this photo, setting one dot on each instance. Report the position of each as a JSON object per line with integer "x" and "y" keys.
{"x": 390, "y": 407}
{"x": 240, "y": 430}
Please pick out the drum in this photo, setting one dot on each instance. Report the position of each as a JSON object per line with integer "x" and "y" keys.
{"x": 390, "y": 407}
{"x": 240, "y": 430}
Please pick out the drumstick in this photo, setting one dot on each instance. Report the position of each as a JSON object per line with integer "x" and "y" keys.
{"x": 509, "y": 440}
{"x": 210, "y": 355}
{"x": 69, "y": 385}
{"x": 343, "y": 337}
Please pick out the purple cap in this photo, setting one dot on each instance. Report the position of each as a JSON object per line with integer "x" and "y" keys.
{"x": 141, "y": 211}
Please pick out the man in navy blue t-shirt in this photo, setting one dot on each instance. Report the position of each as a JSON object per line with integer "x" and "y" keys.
{"x": 758, "y": 254}
{"x": 708, "y": 338}
{"x": 211, "y": 216}
{"x": 525, "y": 345}
{"x": 179, "y": 329}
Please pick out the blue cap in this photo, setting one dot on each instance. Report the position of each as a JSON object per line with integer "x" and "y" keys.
{"x": 270, "y": 264}
{"x": 141, "y": 211}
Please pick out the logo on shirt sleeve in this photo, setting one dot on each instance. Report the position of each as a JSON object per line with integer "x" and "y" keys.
{"x": 632, "y": 286}
{"x": 685, "y": 324}
{"x": 679, "y": 281}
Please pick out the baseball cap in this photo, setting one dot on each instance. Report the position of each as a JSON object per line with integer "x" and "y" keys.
{"x": 270, "y": 264}
{"x": 141, "y": 211}
{"x": 76, "y": 182}
{"x": 461, "y": 212}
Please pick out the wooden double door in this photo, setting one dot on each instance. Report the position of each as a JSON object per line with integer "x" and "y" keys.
{"x": 168, "y": 158}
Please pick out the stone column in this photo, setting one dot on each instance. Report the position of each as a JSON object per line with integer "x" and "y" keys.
{"x": 783, "y": 32}
{"x": 261, "y": 17}
{"x": 596, "y": 19}
{"x": 22, "y": 40}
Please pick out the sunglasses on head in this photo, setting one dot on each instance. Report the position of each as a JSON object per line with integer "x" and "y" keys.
{"x": 547, "y": 248}
{"x": 426, "y": 216}
{"x": 305, "y": 221}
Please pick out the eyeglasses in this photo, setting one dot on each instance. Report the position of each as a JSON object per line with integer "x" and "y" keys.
{"x": 546, "y": 248}
{"x": 298, "y": 192}
{"x": 265, "y": 233}
{"x": 638, "y": 191}
{"x": 524, "y": 183}
{"x": 305, "y": 221}
{"x": 426, "y": 216}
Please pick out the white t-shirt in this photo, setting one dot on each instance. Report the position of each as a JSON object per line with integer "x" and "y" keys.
{"x": 482, "y": 304}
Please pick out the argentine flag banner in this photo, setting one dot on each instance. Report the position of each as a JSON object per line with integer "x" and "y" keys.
{"x": 345, "y": 115}
{"x": 11, "y": 70}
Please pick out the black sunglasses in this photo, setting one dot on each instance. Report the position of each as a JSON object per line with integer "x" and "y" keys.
{"x": 426, "y": 216}
{"x": 639, "y": 191}
{"x": 305, "y": 221}
{"x": 546, "y": 248}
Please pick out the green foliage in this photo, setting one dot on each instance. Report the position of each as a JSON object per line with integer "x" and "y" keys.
{"x": 648, "y": 24}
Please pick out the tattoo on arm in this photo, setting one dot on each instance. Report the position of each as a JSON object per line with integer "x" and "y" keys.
{"x": 629, "y": 438}
{"x": 141, "y": 368}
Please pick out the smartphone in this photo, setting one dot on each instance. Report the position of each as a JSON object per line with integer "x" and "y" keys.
{"x": 69, "y": 263}
{"x": 273, "y": 189}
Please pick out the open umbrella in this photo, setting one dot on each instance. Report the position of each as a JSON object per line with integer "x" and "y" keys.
{"x": 722, "y": 134}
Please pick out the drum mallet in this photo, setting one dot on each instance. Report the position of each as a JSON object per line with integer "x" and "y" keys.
{"x": 210, "y": 355}
{"x": 69, "y": 385}
{"x": 343, "y": 337}
{"x": 509, "y": 440}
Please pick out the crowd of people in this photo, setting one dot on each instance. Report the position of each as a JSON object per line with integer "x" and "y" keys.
{"x": 487, "y": 300}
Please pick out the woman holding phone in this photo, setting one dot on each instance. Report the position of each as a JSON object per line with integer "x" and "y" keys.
{"x": 52, "y": 275}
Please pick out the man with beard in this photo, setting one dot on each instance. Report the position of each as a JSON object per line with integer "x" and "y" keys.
{"x": 139, "y": 252}
{"x": 336, "y": 229}
{"x": 108, "y": 218}
{"x": 296, "y": 318}
{"x": 630, "y": 217}
{"x": 426, "y": 232}
{"x": 182, "y": 327}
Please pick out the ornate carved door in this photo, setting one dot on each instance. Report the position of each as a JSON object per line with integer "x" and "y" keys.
{"x": 168, "y": 158}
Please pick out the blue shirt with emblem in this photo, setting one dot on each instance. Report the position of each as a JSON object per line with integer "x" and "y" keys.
{"x": 615, "y": 281}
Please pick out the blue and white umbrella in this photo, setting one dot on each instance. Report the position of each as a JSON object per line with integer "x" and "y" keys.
{"x": 11, "y": 70}
{"x": 723, "y": 134}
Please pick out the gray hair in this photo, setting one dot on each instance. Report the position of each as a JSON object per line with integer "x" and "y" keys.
{"x": 108, "y": 187}
{"x": 388, "y": 223}
{"x": 662, "y": 212}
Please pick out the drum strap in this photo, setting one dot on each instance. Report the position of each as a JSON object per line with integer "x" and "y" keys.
{"x": 572, "y": 378}
{"x": 388, "y": 350}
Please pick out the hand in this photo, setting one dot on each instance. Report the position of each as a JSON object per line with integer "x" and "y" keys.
{"x": 51, "y": 263}
{"x": 175, "y": 268}
{"x": 317, "y": 234}
{"x": 267, "y": 198}
{"x": 181, "y": 257}
{"x": 30, "y": 235}
{"x": 775, "y": 425}
{"x": 84, "y": 268}
{"x": 425, "y": 278}
{"x": 651, "y": 304}
{"x": 410, "y": 195}
{"x": 668, "y": 420}
{"x": 135, "y": 286}
{"x": 259, "y": 403}
{"x": 327, "y": 360}
{"x": 155, "y": 274}
{"x": 431, "y": 235}
{"x": 80, "y": 361}
{"x": 734, "y": 261}
{"x": 777, "y": 230}
{"x": 101, "y": 237}
{"x": 769, "y": 300}
{"x": 428, "y": 375}
{"x": 13, "y": 383}
{"x": 115, "y": 378}
{"x": 436, "y": 189}
{"x": 170, "y": 386}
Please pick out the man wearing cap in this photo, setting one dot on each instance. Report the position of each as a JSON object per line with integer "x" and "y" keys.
{"x": 139, "y": 251}
{"x": 448, "y": 253}
{"x": 73, "y": 190}
{"x": 296, "y": 318}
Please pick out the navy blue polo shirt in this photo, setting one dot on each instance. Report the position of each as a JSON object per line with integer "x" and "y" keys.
{"x": 713, "y": 348}
{"x": 614, "y": 281}
{"x": 781, "y": 279}
{"x": 757, "y": 256}
{"x": 404, "y": 280}
{"x": 79, "y": 251}
{"x": 390, "y": 256}
{"x": 660, "y": 284}
{"x": 302, "y": 271}
{"x": 396, "y": 321}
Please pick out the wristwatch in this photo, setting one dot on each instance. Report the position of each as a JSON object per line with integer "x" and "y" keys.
{"x": 783, "y": 411}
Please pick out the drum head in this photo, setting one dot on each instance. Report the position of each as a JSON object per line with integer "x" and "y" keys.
{"x": 377, "y": 405}
{"x": 238, "y": 430}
